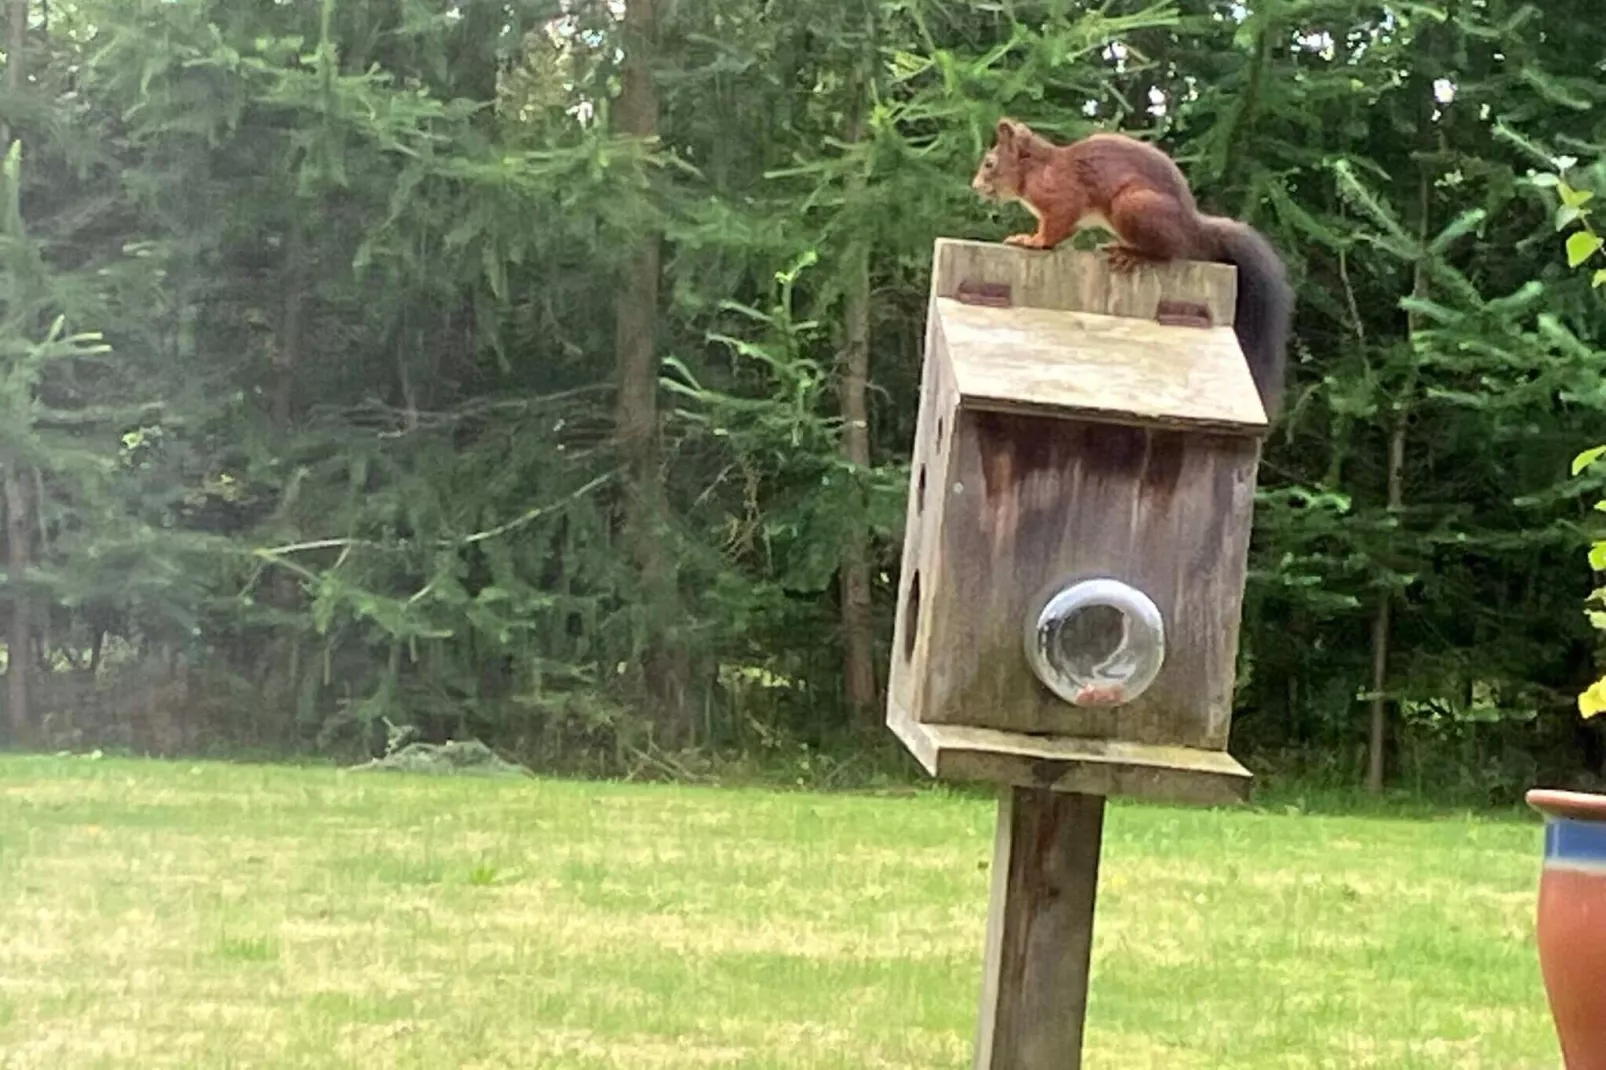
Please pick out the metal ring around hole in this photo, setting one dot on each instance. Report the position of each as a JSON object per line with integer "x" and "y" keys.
{"x": 1119, "y": 677}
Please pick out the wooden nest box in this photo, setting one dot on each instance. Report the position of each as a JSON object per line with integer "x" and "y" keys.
{"x": 1080, "y": 502}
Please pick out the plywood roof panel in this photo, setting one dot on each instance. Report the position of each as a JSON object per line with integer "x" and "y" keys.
{"x": 1115, "y": 367}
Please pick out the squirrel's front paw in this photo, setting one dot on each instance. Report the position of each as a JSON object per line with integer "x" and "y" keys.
{"x": 1026, "y": 241}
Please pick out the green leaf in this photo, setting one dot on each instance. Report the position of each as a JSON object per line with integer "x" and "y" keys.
{"x": 1463, "y": 224}
{"x": 1573, "y": 198}
{"x": 1597, "y": 557}
{"x": 495, "y": 270}
{"x": 1593, "y": 701}
{"x": 1581, "y": 246}
{"x": 1587, "y": 458}
{"x": 1554, "y": 90}
{"x": 1600, "y": 277}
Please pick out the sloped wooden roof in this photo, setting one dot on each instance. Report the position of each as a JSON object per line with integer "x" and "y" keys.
{"x": 1097, "y": 366}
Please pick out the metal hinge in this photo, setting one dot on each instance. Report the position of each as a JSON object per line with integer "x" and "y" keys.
{"x": 991, "y": 294}
{"x": 1183, "y": 314}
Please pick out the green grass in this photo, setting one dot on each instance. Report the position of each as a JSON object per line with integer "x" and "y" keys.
{"x": 176, "y": 915}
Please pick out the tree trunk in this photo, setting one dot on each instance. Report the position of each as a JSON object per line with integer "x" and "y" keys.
{"x": 636, "y": 413}
{"x": 16, "y": 41}
{"x": 858, "y": 626}
{"x": 287, "y": 342}
{"x": 1377, "y": 737}
{"x": 19, "y": 634}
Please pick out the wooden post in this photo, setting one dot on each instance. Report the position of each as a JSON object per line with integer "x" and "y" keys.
{"x": 1040, "y": 930}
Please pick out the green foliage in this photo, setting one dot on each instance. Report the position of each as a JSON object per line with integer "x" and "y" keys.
{"x": 1582, "y": 246}
{"x": 310, "y": 337}
{"x": 1440, "y": 371}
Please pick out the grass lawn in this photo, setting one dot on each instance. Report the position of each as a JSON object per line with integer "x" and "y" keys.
{"x": 206, "y": 915}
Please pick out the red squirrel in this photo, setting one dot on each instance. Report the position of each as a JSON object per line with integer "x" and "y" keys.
{"x": 1135, "y": 191}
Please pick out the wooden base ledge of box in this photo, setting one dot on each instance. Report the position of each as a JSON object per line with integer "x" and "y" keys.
{"x": 1089, "y": 766}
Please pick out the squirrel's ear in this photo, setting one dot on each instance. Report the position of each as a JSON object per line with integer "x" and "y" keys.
{"x": 1013, "y": 135}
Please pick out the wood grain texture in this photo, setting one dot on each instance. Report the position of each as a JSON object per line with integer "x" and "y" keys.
{"x": 1039, "y": 930}
{"x": 1006, "y": 505}
{"x": 1097, "y": 366}
{"x": 1035, "y": 502}
{"x": 921, "y": 564}
{"x": 1070, "y": 279}
{"x": 1179, "y": 775}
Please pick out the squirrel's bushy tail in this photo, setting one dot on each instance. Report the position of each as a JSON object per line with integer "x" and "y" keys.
{"x": 1265, "y": 304}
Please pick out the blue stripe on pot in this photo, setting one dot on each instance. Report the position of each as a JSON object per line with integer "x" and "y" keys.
{"x": 1575, "y": 844}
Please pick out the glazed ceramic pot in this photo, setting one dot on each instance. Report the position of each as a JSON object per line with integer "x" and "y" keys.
{"x": 1572, "y": 922}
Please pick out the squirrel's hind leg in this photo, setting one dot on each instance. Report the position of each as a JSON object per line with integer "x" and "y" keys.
{"x": 1151, "y": 227}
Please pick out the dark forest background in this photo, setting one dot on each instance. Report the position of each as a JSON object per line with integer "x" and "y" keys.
{"x": 545, "y": 370}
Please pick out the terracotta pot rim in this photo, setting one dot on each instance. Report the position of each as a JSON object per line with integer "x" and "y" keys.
{"x": 1578, "y": 805}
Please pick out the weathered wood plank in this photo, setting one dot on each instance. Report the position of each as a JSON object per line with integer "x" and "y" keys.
{"x": 1182, "y": 775}
{"x": 1036, "y": 501}
{"x": 1079, "y": 281}
{"x": 919, "y": 575}
{"x": 1039, "y": 930}
{"x": 1099, "y": 366}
